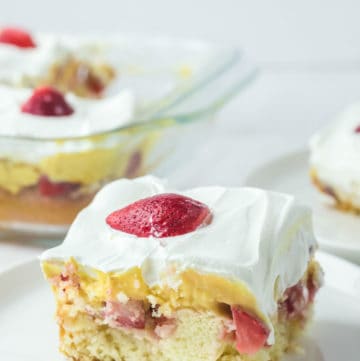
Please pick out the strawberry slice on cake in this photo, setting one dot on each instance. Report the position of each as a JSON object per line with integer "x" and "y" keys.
{"x": 163, "y": 215}
{"x": 148, "y": 273}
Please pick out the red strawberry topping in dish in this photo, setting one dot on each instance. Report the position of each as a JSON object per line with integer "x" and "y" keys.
{"x": 357, "y": 129}
{"x": 16, "y": 37}
{"x": 163, "y": 215}
{"x": 47, "y": 101}
{"x": 251, "y": 333}
{"x": 48, "y": 188}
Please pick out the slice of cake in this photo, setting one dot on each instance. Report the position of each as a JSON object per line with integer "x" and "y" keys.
{"x": 147, "y": 273}
{"x": 334, "y": 158}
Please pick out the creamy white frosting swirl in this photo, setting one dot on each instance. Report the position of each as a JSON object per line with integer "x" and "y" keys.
{"x": 18, "y": 63}
{"x": 335, "y": 154}
{"x": 257, "y": 237}
{"x": 89, "y": 117}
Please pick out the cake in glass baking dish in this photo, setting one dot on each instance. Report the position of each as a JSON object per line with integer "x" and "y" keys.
{"x": 334, "y": 159}
{"x": 148, "y": 273}
{"x": 51, "y": 160}
{"x": 81, "y": 110}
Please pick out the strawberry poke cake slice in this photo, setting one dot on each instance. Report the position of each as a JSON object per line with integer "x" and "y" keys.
{"x": 148, "y": 273}
{"x": 334, "y": 160}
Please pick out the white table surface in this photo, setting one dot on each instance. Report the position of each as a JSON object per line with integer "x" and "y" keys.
{"x": 310, "y": 59}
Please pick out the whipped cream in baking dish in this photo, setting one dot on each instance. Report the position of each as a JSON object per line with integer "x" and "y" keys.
{"x": 17, "y": 64}
{"x": 257, "y": 237}
{"x": 89, "y": 116}
{"x": 335, "y": 153}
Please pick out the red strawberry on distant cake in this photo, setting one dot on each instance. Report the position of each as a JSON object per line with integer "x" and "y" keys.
{"x": 48, "y": 102}
{"x": 16, "y": 37}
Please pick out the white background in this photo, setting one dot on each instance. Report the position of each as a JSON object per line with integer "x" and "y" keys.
{"x": 309, "y": 53}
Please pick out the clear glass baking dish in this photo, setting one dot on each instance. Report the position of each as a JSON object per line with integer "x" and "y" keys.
{"x": 179, "y": 85}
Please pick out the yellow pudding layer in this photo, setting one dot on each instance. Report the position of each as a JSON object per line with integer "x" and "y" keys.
{"x": 15, "y": 176}
{"x": 83, "y": 167}
{"x": 86, "y": 168}
{"x": 190, "y": 289}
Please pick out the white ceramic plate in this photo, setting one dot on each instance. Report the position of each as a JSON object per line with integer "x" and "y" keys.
{"x": 28, "y": 331}
{"x": 338, "y": 232}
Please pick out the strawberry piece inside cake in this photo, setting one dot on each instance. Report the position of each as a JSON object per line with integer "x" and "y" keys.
{"x": 146, "y": 273}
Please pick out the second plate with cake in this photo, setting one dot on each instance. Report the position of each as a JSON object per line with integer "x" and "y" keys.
{"x": 337, "y": 231}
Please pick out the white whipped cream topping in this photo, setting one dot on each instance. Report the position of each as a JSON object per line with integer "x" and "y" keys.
{"x": 256, "y": 237}
{"x": 89, "y": 117}
{"x": 18, "y": 63}
{"x": 335, "y": 154}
